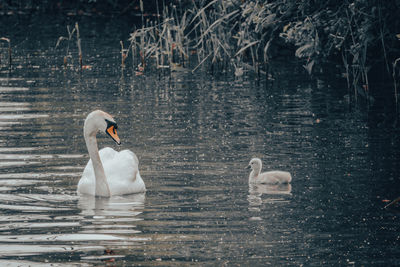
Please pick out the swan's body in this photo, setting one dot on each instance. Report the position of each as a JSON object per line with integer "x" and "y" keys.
{"x": 108, "y": 172}
{"x": 270, "y": 177}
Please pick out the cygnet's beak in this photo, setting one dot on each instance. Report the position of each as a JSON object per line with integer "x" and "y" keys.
{"x": 248, "y": 167}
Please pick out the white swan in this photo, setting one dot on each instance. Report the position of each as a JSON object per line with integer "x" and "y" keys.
{"x": 108, "y": 172}
{"x": 271, "y": 177}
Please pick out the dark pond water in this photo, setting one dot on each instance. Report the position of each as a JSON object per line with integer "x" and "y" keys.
{"x": 194, "y": 135}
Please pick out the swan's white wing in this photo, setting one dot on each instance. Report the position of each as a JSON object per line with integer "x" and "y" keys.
{"x": 87, "y": 182}
{"x": 107, "y": 154}
{"x": 122, "y": 172}
{"x": 120, "y": 166}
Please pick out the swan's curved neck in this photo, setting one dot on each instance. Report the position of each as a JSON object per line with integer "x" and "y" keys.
{"x": 102, "y": 188}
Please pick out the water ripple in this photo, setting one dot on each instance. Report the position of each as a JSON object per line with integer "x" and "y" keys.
{"x": 193, "y": 136}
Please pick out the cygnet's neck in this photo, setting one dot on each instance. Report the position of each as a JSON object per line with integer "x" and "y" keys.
{"x": 102, "y": 188}
{"x": 255, "y": 172}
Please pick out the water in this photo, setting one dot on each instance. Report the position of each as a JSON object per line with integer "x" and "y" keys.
{"x": 194, "y": 135}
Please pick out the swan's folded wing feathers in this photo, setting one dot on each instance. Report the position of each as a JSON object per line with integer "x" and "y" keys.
{"x": 86, "y": 184}
{"x": 107, "y": 154}
{"x": 123, "y": 173}
{"x": 122, "y": 167}
{"x": 130, "y": 153}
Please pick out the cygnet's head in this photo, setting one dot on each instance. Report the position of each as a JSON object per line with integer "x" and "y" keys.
{"x": 101, "y": 121}
{"x": 255, "y": 164}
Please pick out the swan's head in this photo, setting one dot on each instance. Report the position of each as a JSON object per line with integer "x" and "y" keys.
{"x": 101, "y": 121}
{"x": 255, "y": 164}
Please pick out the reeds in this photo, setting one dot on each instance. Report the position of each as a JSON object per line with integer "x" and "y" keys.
{"x": 241, "y": 36}
{"x": 209, "y": 35}
{"x": 71, "y": 34}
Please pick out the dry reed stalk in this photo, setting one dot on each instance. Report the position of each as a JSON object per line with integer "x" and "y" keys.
{"x": 201, "y": 11}
{"x": 124, "y": 54}
{"x": 133, "y": 48}
{"x": 204, "y": 59}
{"x": 392, "y": 203}
{"x": 9, "y": 50}
{"x": 142, "y": 11}
{"x": 245, "y": 47}
{"x": 62, "y": 38}
{"x": 78, "y": 42}
{"x": 169, "y": 45}
{"x": 395, "y": 83}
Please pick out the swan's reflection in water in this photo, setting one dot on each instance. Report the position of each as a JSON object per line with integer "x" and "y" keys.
{"x": 113, "y": 221}
{"x": 274, "y": 191}
{"x": 126, "y": 205}
{"x": 111, "y": 215}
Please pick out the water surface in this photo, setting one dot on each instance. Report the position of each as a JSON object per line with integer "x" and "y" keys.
{"x": 194, "y": 134}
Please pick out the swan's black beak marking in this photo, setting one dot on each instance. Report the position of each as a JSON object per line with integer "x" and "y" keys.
{"x": 111, "y": 130}
{"x": 248, "y": 167}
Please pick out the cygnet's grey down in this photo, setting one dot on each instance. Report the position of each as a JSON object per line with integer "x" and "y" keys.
{"x": 270, "y": 177}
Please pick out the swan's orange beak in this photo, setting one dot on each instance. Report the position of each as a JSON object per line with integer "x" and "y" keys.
{"x": 112, "y": 131}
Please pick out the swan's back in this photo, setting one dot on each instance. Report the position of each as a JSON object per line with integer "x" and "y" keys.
{"x": 118, "y": 164}
{"x": 121, "y": 170}
{"x": 272, "y": 177}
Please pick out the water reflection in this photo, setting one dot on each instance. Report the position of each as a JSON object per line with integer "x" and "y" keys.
{"x": 126, "y": 205}
{"x": 271, "y": 193}
{"x": 270, "y": 189}
{"x": 116, "y": 215}
{"x": 111, "y": 219}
